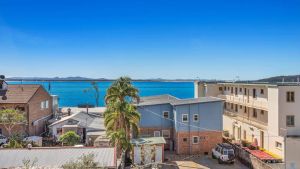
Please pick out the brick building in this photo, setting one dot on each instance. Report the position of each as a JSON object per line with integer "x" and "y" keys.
{"x": 189, "y": 126}
{"x": 34, "y": 101}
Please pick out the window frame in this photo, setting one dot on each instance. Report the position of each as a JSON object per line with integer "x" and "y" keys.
{"x": 164, "y": 114}
{"x": 290, "y": 96}
{"x": 194, "y": 139}
{"x": 254, "y": 113}
{"x": 156, "y": 132}
{"x": 187, "y": 118}
{"x": 290, "y": 125}
{"x": 168, "y": 131}
{"x": 278, "y": 143}
{"x": 194, "y": 118}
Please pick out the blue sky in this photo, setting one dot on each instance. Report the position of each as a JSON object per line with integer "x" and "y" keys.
{"x": 211, "y": 39}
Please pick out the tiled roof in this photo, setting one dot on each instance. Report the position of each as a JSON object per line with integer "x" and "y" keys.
{"x": 168, "y": 99}
{"x": 54, "y": 157}
{"x": 20, "y": 93}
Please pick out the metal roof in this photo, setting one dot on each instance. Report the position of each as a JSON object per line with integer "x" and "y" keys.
{"x": 168, "y": 99}
{"x": 153, "y": 100}
{"x": 148, "y": 141}
{"x": 195, "y": 100}
{"x": 54, "y": 157}
{"x": 89, "y": 121}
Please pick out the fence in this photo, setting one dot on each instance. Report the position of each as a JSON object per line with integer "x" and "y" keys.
{"x": 253, "y": 162}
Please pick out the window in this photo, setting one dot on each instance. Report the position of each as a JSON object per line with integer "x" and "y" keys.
{"x": 254, "y": 113}
{"x": 45, "y": 104}
{"x": 184, "y": 139}
{"x": 236, "y": 91}
{"x": 241, "y": 90}
{"x": 236, "y": 108}
{"x": 196, "y": 117}
{"x": 185, "y": 118}
{"x": 59, "y": 131}
{"x": 195, "y": 139}
{"x": 225, "y": 88}
{"x": 245, "y": 135}
{"x": 290, "y": 96}
{"x": 231, "y": 106}
{"x": 225, "y": 105}
{"x": 220, "y": 89}
{"x": 262, "y": 112}
{"x": 278, "y": 145}
{"x": 156, "y": 133}
{"x": 241, "y": 106}
{"x": 0, "y": 130}
{"x": 245, "y": 109}
{"x": 166, "y": 114}
{"x": 245, "y": 91}
{"x": 262, "y": 91}
{"x": 231, "y": 90}
{"x": 290, "y": 121}
{"x": 166, "y": 133}
{"x": 254, "y": 93}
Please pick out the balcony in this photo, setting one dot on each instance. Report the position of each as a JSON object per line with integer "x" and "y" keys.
{"x": 257, "y": 123}
{"x": 246, "y": 101}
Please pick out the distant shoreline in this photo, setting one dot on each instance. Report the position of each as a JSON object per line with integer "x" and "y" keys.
{"x": 93, "y": 80}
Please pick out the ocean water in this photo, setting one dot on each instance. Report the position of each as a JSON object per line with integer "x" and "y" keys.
{"x": 71, "y": 93}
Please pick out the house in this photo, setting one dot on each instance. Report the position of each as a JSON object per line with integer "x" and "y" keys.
{"x": 189, "y": 126}
{"x": 56, "y": 157}
{"x": 87, "y": 125}
{"x": 263, "y": 113}
{"x": 34, "y": 101}
{"x": 148, "y": 150}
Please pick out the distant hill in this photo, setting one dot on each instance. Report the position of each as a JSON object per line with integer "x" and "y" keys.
{"x": 78, "y": 78}
{"x": 289, "y": 78}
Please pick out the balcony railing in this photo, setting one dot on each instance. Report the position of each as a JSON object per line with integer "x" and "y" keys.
{"x": 245, "y": 101}
{"x": 245, "y": 119}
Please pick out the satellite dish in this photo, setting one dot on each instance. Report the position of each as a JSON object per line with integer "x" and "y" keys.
{"x": 4, "y": 98}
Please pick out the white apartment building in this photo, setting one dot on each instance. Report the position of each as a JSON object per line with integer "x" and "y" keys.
{"x": 268, "y": 114}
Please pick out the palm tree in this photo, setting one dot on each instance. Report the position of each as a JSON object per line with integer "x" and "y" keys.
{"x": 121, "y": 116}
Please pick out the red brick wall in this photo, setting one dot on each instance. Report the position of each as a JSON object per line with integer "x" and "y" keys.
{"x": 211, "y": 138}
{"x": 35, "y": 111}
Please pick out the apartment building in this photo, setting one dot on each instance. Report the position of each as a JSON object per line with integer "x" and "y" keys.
{"x": 34, "y": 101}
{"x": 262, "y": 113}
{"x": 189, "y": 126}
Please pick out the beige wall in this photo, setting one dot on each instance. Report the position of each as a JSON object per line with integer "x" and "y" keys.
{"x": 292, "y": 155}
{"x": 289, "y": 108}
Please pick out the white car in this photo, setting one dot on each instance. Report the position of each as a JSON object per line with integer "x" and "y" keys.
{"x": 224, "y": 153}
{"x": 3, "y": 140}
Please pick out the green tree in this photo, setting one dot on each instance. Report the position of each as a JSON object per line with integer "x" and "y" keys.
{"x": 9, "y": 118}
{"x": 96, "y": 90}
{"x": 121, "y": 115}
{"x": 70, "y": 138}
{"x": 84, "y": 162}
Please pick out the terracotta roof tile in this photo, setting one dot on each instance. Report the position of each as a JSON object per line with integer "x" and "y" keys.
{"x": 20, "y": 93}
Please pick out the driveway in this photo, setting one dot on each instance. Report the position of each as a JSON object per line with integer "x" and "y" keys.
{"x": 202, "y": 161}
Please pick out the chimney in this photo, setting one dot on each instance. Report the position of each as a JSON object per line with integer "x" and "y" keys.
{"x": 69, "y": 111}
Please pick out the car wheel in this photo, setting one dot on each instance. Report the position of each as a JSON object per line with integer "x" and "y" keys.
{"x": 220, "y": 161}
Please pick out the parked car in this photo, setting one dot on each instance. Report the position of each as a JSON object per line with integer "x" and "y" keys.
{"x": 3, "y": 140}
{"x": 224, "y": 153}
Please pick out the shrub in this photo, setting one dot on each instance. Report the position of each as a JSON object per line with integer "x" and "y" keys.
{"x": 70, "y": 138}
